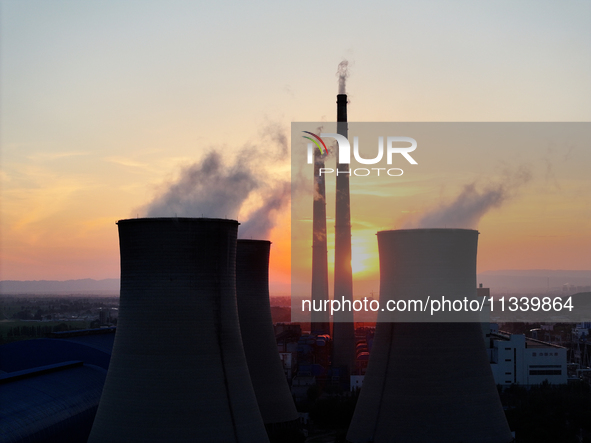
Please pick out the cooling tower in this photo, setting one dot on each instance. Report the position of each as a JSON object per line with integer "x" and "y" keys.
{"x": 258, "y": 337}
{"x": 428, "y": 382}
{"x": 320, "y": 323}
{"x": 178, "y": 371}
{"x": 343, "y": 327}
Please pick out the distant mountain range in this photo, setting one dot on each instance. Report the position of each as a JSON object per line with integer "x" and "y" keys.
{"x": 534, "y": 280}
{"x": 83, "y": 286}
{"x": 503, "y": 280}
{"x": 541, "y": 273}
{"x": 107, "y": 286}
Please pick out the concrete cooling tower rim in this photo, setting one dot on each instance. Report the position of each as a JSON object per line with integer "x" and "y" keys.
{"x": 426, "y": 230}
{"x": 253, "y": 241}
{"x": 179, "y": 219}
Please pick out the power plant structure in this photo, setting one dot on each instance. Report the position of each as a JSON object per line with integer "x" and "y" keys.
{"x": 256, "y": 325}
{"x": 320, "y": 319}
{"x": 428, "y": 382}
{"x": 343, "y": 326}
{"x": 49, "y": 403}
{"x": 178, "y": 370}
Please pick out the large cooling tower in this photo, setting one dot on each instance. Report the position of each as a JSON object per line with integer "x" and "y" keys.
{"x": 343, "y": 327}
{"x": 428, "y": 382}
{"x": 258, "y": 337}
{"x": 178, "y": 371}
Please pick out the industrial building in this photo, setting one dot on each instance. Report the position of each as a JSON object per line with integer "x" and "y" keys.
{"x": 50, "y": 403}
{"x": 179, "y": 367}
{"x": 50, "y": 387}
{"x": 287, "y": 336}
{"x": 517, "y": 359}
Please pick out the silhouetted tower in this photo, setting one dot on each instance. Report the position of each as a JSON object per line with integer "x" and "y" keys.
{"x": 343, "y": 327}
{"x": 320, "y": 320}
{"x": 178, "y": 371}
{"x": 258, "y": 337}
{"x": 428, "y": 382}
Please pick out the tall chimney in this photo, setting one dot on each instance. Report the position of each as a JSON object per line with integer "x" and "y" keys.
{"x": 343, "y": 327}
{"x": 320, "y": 321}
{"x": 428, "y": 382}
{"x": 258, "y": 337}
{"x": 178, "y": 371}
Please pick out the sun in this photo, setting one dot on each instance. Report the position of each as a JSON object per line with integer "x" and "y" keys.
{"x": 364, "y": 253}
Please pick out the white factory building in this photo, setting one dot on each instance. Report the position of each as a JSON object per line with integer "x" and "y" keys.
{"x": 516, "y": 359}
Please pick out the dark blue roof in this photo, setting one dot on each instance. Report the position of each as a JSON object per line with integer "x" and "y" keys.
{"x": 91, "y": 349}
{"x": 52, "y": 386}
{"x": 51, "y": 403}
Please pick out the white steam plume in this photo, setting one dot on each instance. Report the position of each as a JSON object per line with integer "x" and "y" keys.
{"x": 468, "y": 207}
{"x": 343, "y": 73}
{"x": 215, "y": 189}
{"x": 208, "y": 188}
{"x": 262, "y": 220}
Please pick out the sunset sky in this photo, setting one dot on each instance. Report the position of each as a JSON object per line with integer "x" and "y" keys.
{"x": 104, "y": 105}
{"x": 524, "y": 186}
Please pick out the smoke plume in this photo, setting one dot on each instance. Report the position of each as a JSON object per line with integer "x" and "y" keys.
{"x": 342, "y": 74}
{"x": 262, "y": 220}
{"x": 472, "y": 203}
{"x": 216, "y": 188}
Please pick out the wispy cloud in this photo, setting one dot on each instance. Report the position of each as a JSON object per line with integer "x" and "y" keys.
{"x": 45, "y": 156}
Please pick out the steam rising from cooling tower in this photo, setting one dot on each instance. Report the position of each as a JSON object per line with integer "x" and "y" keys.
{"x": 472, "y": 203}
{"x": 209, "y": 187}
{"x": 178, "y": 371}
{"x": 256, "y": 325}
{"x": 217, "y": 188}
{"x": 262, "y": 220}
{"x": 428, "y": 382}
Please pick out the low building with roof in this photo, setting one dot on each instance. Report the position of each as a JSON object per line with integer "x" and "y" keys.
{"x": 51, "y": 387}
{"x": 517, "y": 359}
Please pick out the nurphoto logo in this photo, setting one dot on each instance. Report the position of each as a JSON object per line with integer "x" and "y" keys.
{"x": 344, "y": 153}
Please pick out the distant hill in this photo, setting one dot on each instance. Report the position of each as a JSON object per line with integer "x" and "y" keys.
{"x": 90, "y": 286}
{"x": 83, "y": 286}
{"x": 534, "y": 280}
{"x": 510, "y": 280}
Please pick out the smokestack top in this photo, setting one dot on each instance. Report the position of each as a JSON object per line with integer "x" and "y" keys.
{"x": 342, "y": 109}
{"x": 179, "y": 219}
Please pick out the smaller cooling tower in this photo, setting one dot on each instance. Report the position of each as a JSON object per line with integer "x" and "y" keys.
{"x": 178, "y": 371}
{"x": 428, "y": 382}
{"x": 258, "y": 337}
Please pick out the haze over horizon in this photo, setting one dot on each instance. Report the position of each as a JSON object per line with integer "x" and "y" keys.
{"x": 104, "y": 106}
{"x": 508, "y": 279}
